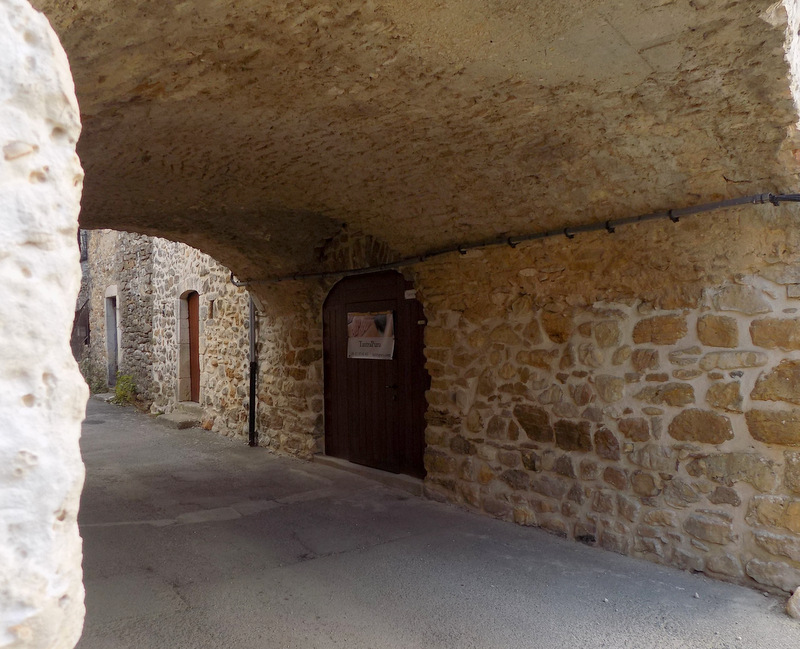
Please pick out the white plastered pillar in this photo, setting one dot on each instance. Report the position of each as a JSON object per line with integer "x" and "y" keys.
{"x": 42, "y": 394}
{"x": 792, "y": 45}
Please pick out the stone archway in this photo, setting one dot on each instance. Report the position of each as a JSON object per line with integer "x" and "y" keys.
{"x": 500, "y": 148}
{"x": 42, "y": 395}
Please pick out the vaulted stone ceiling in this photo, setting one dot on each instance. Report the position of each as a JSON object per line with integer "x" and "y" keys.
{"x": 255, "y": 129}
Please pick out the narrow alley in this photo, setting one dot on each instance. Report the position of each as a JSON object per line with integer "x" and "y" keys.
{"x": 194, "y": 540}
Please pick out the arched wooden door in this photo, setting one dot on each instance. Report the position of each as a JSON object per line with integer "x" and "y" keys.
{"x": 189, "y": 347}
{"x": 375, "y": 405}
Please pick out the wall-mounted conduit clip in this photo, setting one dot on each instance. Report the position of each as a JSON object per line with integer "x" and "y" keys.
{"x": 608, "y": 226}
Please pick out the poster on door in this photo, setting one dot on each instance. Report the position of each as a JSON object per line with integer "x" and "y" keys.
{"x": 370, "y": 335}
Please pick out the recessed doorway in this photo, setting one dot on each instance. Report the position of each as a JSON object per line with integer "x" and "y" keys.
{"x": 375, "y": 387}
{"x": 189, "y": 348}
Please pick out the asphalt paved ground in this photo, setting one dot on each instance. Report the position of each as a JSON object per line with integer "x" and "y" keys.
{"x": 193, "y": 540}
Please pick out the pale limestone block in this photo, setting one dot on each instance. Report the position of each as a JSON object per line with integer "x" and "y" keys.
{"x": 785, "y": 545}
{"x": 793, "y": 605}
{"x": 744, "y": 299}
{"x": 732, "y": 360}
{"x": 774, "y": 573}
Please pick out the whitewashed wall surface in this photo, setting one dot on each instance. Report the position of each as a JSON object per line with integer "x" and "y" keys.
{"x": 42, "y": 395}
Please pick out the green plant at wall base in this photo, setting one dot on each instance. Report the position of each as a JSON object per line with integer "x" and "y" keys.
{"x": 124, "y": 391}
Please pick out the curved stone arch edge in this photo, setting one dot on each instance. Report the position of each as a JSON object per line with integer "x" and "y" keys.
{"x": 42, "y": 394}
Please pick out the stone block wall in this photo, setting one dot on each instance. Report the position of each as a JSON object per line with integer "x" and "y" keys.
{"x": 668, "y": 431}
{"x": 151, "y": 275}
{"x": 291, "y": 385}
{"x": 124, "y": 260}
{"x": 98, "y": 274}
{"x": 224, "y": 335}
{"x": 643, "y": 402}
{"x": 290, "y": 397}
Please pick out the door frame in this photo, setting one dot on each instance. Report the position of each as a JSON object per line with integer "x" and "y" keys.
{"x": 113, "y": 333}
{"x": 189, "y": 347}
{"x": 407, "y": 444}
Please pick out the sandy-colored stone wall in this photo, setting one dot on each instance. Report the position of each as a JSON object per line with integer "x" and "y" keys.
{"x": 633, "y": 390}
{"x": 151, "y": 275}
{"x": 291, "y": 387}
{"x": 637, "y": 391}
{"x": 290, "y": 390}
{"x": 99, "y": 275}
{"x": 42, "y": 396}
{"x": 224, "y": 337}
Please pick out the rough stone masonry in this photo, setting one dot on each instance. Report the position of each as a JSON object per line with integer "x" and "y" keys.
{"x": 626, "y": 403}
{"x": 150, "y": 276}
{"x": 666, "y": 431}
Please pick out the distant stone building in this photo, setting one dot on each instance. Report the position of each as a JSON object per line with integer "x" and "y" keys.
{"x": 169, "y": 317}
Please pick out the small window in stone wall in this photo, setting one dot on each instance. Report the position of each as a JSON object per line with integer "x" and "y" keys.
{"x": 211, "y": 309}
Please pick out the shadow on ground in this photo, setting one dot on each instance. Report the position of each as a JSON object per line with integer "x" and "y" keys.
{"x": 192, "y": 540}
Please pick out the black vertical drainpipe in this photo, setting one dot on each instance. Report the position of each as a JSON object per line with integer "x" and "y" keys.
{"x": 253, "y": 376}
